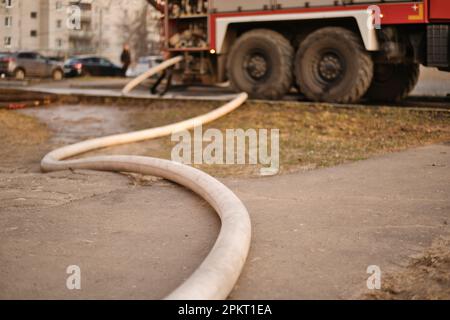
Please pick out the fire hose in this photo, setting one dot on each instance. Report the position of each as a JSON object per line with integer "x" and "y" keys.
{"x": 218, "y": 273}
{"x": 161, "y": 67}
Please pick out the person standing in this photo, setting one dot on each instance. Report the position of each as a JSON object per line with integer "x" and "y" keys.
{"x": 125, "y": 58}
{"x": 166, "y": 74}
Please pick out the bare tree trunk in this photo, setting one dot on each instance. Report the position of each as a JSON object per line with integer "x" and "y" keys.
{"x": 134, "y": 31}
{"x": 140, "y": 43}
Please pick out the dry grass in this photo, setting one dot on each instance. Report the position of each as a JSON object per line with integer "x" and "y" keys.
{"x": 312, "y": 136}
{"x": 20, "y": 130}
{"x": 315, "y": 136}
{"x": 21, "y": 137}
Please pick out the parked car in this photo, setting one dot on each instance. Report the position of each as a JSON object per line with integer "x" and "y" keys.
{"x": 30, "y": 64}
{"x": 2, "y": 54}
{"x": 144, "y": 64}
{"x": 91, "y": 66}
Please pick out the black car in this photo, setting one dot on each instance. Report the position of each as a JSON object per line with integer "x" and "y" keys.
{"x": 91, "y": 66}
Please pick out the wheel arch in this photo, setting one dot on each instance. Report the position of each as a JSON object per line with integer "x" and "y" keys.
{"x": 227, "y": 29}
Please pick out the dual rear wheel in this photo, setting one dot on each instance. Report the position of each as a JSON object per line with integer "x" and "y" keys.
{"x": 260, "y": 63}
{"x": 331, "y": 65}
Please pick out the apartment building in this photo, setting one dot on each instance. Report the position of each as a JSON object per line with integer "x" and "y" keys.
{"x": 125, "y": 21}
{"x": 33, "y": 25}
{"x": 104, "y": 26}
{"x": 81, "y": 37}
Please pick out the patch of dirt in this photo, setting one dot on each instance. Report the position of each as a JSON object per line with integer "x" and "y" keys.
{"x": 427, "y": 277}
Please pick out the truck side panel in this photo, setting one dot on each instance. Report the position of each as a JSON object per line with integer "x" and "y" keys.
{"x": 220, "y": 6}
{"x": 220, "y": 24}
{"x": 236, "y": 5}
{"x": 286, "y": 4}
{"x": 439, "y": 10}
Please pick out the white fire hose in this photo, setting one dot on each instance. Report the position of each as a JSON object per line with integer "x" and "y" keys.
{"x": 161, "y": 67}
{"x": 216, "y": 276}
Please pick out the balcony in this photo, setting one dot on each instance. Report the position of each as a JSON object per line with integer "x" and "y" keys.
{"x": 81, "y": 34}
{"x": 86, "y": 16}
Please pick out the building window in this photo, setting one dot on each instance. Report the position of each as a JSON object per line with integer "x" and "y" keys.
{"x": 33, "y": 15}
{"x": 59, "y": 5}
{"x": 59, "y": 43}
{"x": 8, "y": 3}
{"x": 33, "y": 33}
{"x": 59, "y": 24}
{"x": 7, "y": 41}
{"x": 8, "y": 21}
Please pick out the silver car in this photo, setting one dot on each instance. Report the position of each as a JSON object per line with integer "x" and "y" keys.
{"x": 144, "y": 64}
{"x": 30, "y": 64}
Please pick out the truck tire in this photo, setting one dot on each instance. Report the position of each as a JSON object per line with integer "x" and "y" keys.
{"x": 260, "y": 63}
{"x": 393, "y": 82}
{"x": 332, "y": 65}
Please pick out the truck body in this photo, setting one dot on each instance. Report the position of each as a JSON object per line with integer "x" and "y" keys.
{"x": 335, "y": 51}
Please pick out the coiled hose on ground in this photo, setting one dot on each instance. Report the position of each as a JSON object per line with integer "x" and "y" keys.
{"x": 216, "y": 276}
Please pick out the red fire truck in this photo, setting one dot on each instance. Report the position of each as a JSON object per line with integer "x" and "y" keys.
{"x": 333, "y": 51}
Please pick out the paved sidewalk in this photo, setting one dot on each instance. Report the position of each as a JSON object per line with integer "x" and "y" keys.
{"x": 315, "y": 233}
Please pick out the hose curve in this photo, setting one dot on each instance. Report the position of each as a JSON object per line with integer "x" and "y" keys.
{"x": 159, "y": 68}
{"x": 216, "y": 276}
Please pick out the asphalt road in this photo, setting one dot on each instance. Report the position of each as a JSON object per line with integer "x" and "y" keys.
{"x": 433, "y": 89}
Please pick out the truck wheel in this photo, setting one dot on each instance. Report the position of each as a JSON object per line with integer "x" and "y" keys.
{"x": 332, "y": 65}
{"x": 260, "y": 63}
{"x": 393, "y": 82}
{"x": 19, "y": 74}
